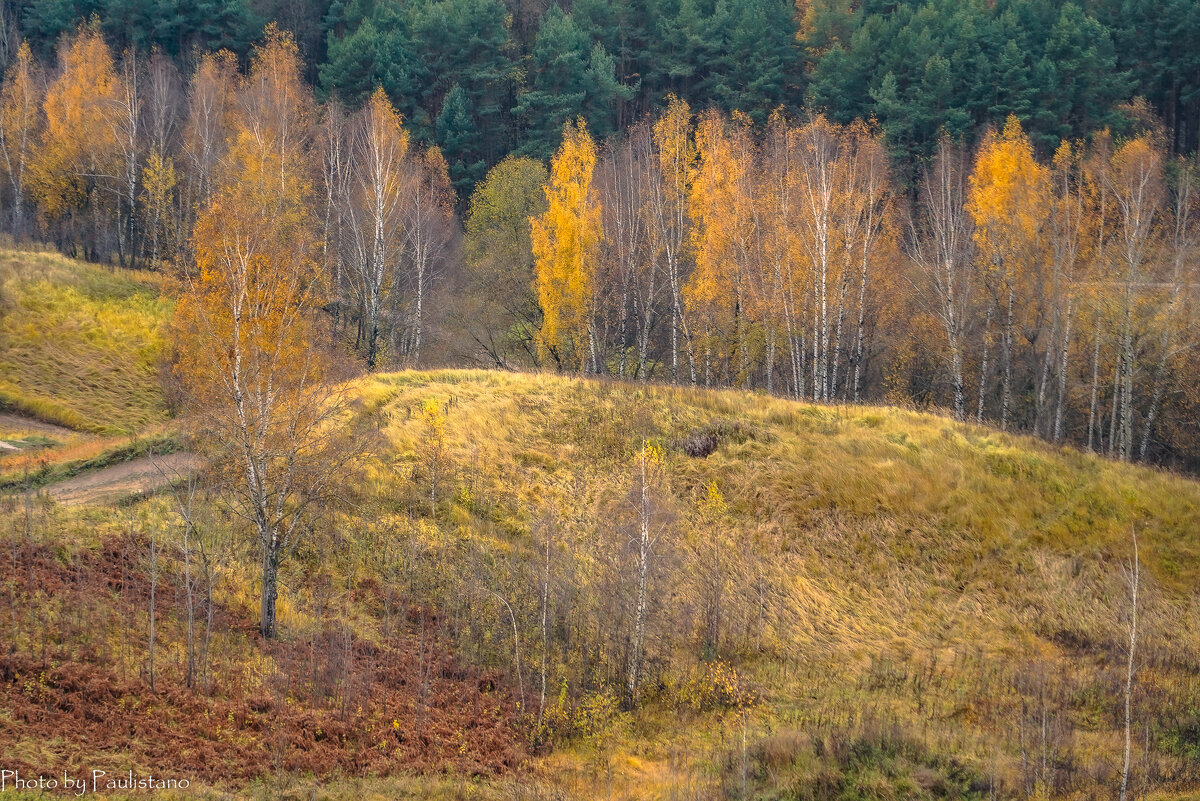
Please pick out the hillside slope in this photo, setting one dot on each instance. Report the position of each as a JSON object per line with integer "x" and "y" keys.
{"x": 80, "y": 343}
{"x": 935, "y": 594}
{"x": 80, "y": 352}
{"x": 841, "y": 602}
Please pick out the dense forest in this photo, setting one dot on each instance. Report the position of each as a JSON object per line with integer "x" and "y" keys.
{"x": 483, "y": 78}
{"x": 987, "y": 208}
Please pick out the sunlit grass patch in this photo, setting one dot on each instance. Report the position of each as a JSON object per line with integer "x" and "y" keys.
{"x": 80, "y": 344}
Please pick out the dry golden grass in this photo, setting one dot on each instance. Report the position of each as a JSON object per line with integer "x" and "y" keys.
{"x": 920, "y": 569}
{"x": 80, "y": 343}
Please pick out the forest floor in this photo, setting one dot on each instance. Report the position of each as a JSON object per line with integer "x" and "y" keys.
{"x": 64, "y": 707}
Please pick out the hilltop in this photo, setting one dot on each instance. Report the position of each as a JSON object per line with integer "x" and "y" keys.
{"x": 883, "y": 581}
{"x": 844, "y": 602}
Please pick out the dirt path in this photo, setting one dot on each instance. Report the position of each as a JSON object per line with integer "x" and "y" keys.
{"x": 27, "y": 425}
{"x": 21, "y": 423}
{"x": 128, "y": 478}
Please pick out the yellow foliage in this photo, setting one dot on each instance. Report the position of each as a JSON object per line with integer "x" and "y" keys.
{"x": 676, "y": 150}
{"x": 19, "y": 118}
{"x": 435, "y": 421}
{"x": 720, "y": 204}
{"x": 158, "y": 185}
{"x": 1008, "y": 197}
{"x": 245, "y": 332}
{"x": 79, "y": 137}
{"x": 714, "y": 502}
{"x": 267, "y": 164}
{"x": 565, "y": 239}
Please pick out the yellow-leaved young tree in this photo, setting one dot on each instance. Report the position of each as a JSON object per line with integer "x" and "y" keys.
{"x": 725, "y": 242}
{"x": 1008, "y": 199}
{"x": 76, "y": 156}
{"x": 248, "y": 354}
{"x": 565, "y": 239}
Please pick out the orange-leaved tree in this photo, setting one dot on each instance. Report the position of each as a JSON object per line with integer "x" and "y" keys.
{"x": 209, "y": 108}
{"x": 92, "y": 144}
{"x": 248, "y": 351}
{"x": 565, "y": 241}
{"x": 724, "y": 240}
{"x": 77, "y": 153}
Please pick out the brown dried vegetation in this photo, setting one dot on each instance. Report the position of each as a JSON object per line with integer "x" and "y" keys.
{"x": 328, "y": 704}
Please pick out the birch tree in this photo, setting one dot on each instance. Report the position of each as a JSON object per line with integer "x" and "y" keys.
{"x": 428, "y": 226}
{"x": 668, "y": 212}
{"x": 622, "y": 183}
{"x": 782, "y": 283}
{"x": 20, "y": 102}
{"x": 817, "y": 195}
{"x": 868, "y": 233}
{"x": 1007, "y": 198}
{"x": 941, "y": 245}
{"x": 210, "y": 99}
{"x": 159, "y": 178}
{"x": 723, "y": 239}
{"x": 565, "y": 239}
{"x": 650, "y": 522}
{"x": 244, "y": 329}
{"x": 1134, "y": 178}
{"x": 125, "y": 115}
{"x": 74, "y": 167}
{"x": 375, "y": 216}
{"x": 1068, "y": 234}
{"x": 1180, "y": 271}
{"x": 1133, "y": 577}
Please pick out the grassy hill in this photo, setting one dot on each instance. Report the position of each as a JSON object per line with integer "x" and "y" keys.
{"x": 844, "y": 602}
{"x": 891, "y": 582}
{"x": 80, "y": 343}
{"x": 80, "y": 358}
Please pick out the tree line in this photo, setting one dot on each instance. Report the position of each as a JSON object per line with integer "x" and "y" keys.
{"x": 1056, "y": 297}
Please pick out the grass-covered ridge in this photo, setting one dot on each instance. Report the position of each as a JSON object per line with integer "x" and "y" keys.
{"x": 846, "y": 603}
{"x": 80, "y": 343}
{"x": 795, "y": 463}
{"x": 891, "y": 582}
